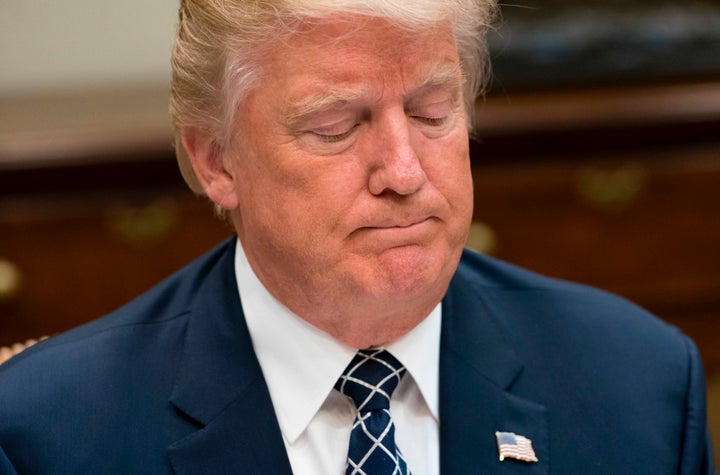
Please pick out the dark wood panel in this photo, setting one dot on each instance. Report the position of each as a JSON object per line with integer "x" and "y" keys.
{"x": 78, "y": 257}
{"x": 643, "y": 226}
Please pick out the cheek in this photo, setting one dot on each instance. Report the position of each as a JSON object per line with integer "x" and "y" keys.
{"x": 459, "y": 193}
{"x": 449, "y": 171}
{"x": 306, "y": 202}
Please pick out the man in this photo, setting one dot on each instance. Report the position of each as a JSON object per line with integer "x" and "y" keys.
{"x": 334, "y": 135}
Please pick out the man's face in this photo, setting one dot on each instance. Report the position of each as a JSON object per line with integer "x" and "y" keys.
{"x": 352, "y": 175}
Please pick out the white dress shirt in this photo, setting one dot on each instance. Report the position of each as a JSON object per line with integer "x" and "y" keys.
{"x": 301, "y": 365}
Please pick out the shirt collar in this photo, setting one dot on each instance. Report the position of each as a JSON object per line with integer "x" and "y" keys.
{"x": 419, "y": 351}
{"x": 301, "y": 363}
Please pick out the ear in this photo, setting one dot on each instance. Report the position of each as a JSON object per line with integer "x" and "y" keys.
{"x": 206, "y": 158}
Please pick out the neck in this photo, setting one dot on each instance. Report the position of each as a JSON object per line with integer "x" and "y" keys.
{"x": 369, "y": 326}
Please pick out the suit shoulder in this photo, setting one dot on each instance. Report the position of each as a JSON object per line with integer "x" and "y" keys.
{"x": 526, "y": 299}
{"x": 556, "y": 324}
{"x": 157, "y": 313}
{"x": 489, "y": 272}
{"x": 107, "y": 384}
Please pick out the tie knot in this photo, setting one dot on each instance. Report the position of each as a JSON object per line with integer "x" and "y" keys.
{"x": 370, "y": 379}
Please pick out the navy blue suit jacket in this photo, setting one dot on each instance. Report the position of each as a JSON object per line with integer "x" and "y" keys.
{"x": 170, "y": 384}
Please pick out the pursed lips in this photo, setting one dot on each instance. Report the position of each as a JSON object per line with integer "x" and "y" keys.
{"x": 393, "y": 233}
{"x": 404, "y": 224}
{"x": 398, "y": 223}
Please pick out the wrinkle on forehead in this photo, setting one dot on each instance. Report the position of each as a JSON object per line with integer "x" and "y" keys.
{"x": 438, "y": 75}
{"x": 369, "y": 51}
{"x": 356, "y": 35}
{"x": 348, "y": 24}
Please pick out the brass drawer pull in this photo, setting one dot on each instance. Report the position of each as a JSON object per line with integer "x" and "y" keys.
{"x": 611, "y": 190}
{"x": 10, "y": 280}
{"x": 144, "y": 226}
{"x": 482, "y": 238}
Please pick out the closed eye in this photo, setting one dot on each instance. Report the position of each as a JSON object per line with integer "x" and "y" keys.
{"x": 434, "y": 121}
{"x": 333, "y": 138}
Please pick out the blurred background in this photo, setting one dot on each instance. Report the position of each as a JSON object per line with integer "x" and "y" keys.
{"x": 597, "y": 158}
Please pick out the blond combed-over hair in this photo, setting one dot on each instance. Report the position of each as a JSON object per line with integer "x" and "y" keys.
{"x": 217, "y": 53}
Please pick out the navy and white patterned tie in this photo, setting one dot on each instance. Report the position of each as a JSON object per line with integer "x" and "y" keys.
{"x": 369, "y": 380}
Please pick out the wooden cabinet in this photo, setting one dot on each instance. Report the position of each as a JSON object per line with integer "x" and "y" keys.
{"x": 644, "y": 226}
{"x": 616, "y": 188}
{"x": 93, "y": 210}
{"x": 70, "y": 258}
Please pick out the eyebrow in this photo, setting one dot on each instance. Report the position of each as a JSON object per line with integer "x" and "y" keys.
{"x": 441, "y": 76}
{"x": 437, "y": 76}
{"x": 323, "y": 101}
{"x": 444, "y": 74}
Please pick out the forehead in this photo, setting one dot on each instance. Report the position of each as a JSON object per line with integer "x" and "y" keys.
{"x": 359, "y": 50}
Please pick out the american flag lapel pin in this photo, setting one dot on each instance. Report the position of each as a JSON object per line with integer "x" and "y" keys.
{"x": 513, "y": 446}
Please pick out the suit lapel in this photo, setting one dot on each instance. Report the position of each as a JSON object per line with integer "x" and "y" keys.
{"x": 478, "y": 367}
{"x": 220, "y": 387}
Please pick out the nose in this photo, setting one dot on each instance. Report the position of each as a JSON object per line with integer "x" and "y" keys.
{"x": 397, "y": 167}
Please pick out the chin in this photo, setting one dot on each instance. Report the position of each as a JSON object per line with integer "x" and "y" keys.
{"x": 413, "y": 272}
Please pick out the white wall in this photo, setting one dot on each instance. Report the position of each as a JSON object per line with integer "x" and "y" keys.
{"x": 59, "y": 45}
